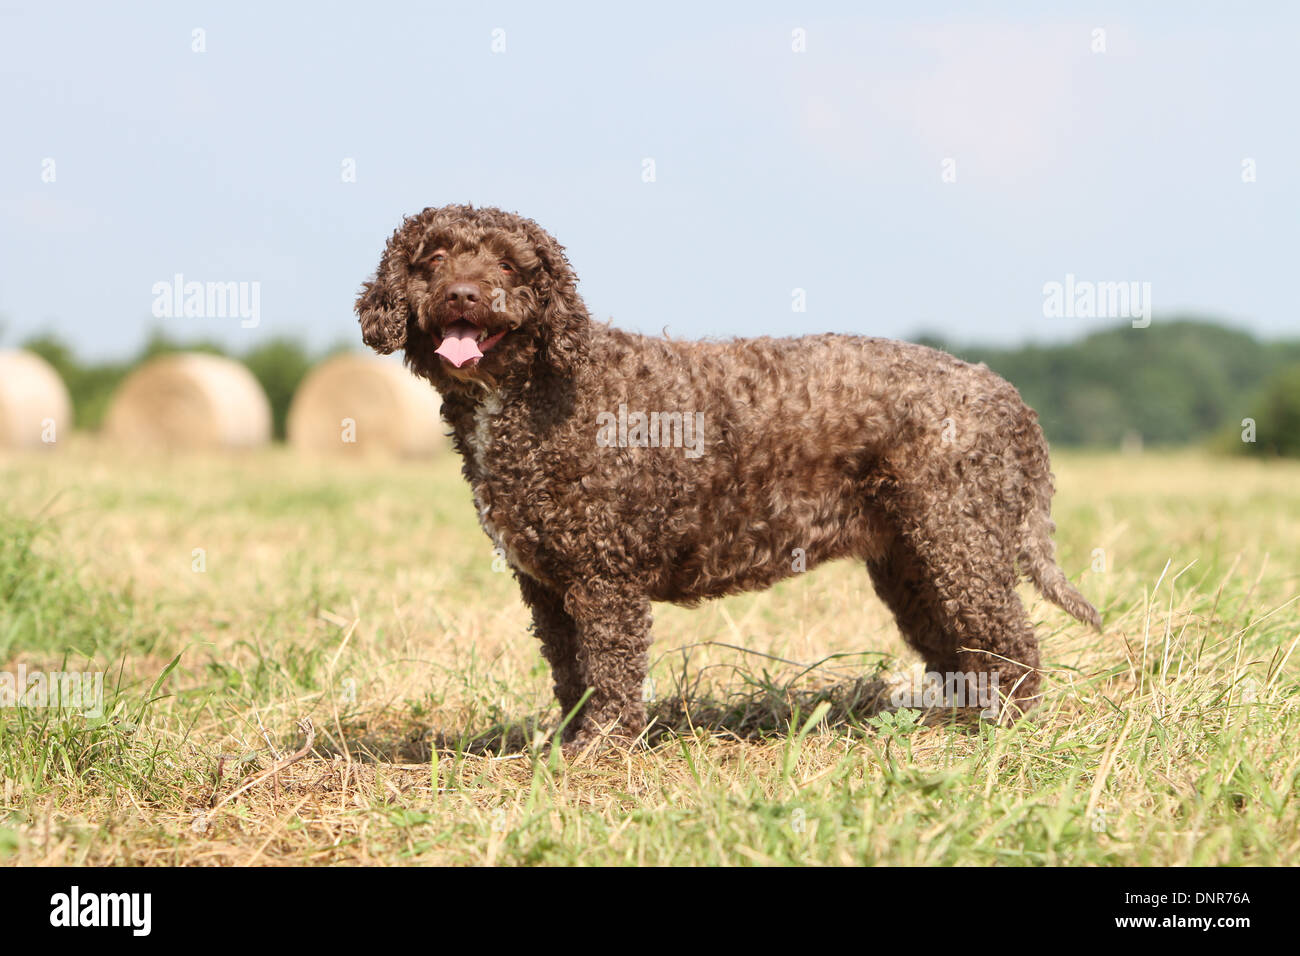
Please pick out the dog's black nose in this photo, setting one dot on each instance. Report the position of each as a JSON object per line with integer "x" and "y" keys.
{"x": 463, "y": 293}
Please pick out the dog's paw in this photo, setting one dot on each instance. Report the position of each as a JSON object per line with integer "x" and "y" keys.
{"x": 594, "y": 743}
{"x": 576, "y": 747}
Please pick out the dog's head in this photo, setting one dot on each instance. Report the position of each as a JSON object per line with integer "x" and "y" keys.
{"x": 474, "y": 294}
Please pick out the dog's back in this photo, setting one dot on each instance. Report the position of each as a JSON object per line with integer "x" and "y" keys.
{"x": 790, "y": 443}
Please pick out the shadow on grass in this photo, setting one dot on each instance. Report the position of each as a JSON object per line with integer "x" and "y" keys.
{"x": 762, "y": 711}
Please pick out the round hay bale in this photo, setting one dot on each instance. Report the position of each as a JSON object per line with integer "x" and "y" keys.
{"x": 360, "y": 405}
{"x": 35, "y": 410}
{"x": 190, "y": 400}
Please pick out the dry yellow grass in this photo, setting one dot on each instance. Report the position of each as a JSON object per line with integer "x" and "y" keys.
{"x": 328, "y": 590}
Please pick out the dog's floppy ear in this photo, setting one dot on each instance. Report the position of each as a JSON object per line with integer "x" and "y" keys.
{"x": 383, "y": 317}
{"x": 382, "y": 303}
{"x": 568, "y": 329}
{"x": 566, "y": 326}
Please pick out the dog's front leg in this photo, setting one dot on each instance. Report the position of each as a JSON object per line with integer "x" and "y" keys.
{"x": 613, "y": 620}
{"x": 556, "y": 629}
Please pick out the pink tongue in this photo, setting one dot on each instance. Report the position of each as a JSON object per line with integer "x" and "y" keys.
{"x": 461, "y": 344}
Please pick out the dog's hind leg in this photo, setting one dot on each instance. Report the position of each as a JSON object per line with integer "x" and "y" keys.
{"x": 900, "y": 584}
{"x": 994, "y": 638}
{"x": 953, "y": 595}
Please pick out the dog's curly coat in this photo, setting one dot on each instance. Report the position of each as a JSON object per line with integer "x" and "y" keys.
{"x": 930, "y": 470}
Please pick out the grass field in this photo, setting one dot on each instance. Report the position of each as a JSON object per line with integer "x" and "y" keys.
{"x": 227, "y": 599}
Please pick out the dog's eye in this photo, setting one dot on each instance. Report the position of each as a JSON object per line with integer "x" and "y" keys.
{"x": 506, "y": 266}
{"x": 437, "y": 257}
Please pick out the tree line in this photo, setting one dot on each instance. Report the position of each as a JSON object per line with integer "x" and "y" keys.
{"x": 1176, "y": 382}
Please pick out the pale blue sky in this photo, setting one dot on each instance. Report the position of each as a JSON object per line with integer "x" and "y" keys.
{"x": 775, "y": 170}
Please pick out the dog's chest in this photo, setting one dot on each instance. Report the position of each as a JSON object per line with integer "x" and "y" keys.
{"x": 478, "y": 442}
{"x": 483, "y": 449}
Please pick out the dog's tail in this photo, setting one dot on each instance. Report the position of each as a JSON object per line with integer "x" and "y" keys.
{"x": 1038, "y": 558}
{"x": 1038, "y": 553}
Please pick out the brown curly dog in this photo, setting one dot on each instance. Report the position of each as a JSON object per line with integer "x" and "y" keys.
{"x": 615, "y": 470}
